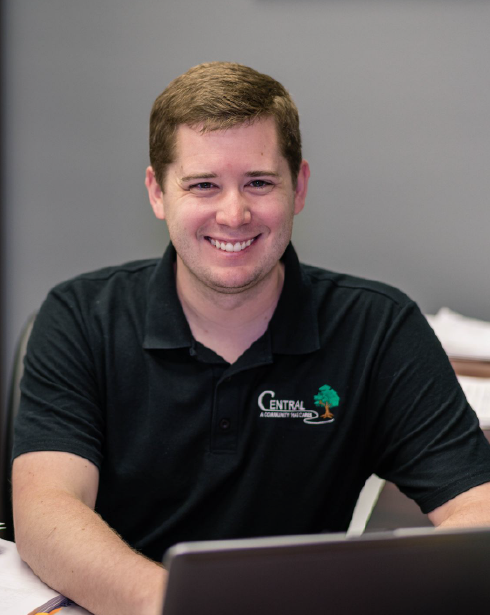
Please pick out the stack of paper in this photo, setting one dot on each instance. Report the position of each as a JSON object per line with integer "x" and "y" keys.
{"x": 460, "y": 336}
{"x": 467, "y": 339}
{"x": 21, "y": 591}
{"x": 477, "y": 391}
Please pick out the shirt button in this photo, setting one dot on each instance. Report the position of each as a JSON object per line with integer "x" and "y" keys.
{"x": 224, "y": 424}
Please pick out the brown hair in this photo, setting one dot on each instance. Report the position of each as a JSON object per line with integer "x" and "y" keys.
{"x": 217, "y": 96}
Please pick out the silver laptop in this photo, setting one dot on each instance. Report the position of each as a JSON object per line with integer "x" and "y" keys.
{"x": 404, "y": 572}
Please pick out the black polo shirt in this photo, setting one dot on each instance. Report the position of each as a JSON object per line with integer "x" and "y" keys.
{"x": 348, "y": 380}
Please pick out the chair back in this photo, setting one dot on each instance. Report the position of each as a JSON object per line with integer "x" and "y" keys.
{"x": 12, "y": 408}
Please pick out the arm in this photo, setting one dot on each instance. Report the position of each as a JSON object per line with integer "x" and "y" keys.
{"x": 70, "y": 547}
{"x": 469, "y": 509}
{"x": 427, "y": 439}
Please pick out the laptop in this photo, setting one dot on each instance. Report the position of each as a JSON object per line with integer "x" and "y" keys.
{"x": 401, "y": 572}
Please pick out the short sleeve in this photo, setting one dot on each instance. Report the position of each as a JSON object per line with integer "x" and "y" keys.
{"x": 61, "y": 407}
{"x": 425, "y": 436}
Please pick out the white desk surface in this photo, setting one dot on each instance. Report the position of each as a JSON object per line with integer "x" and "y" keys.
{"x": 20, "y": 590}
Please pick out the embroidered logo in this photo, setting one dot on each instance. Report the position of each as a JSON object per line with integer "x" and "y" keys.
{"x": 326, "y": 398}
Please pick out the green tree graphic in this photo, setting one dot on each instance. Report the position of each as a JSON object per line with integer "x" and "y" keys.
{"x": 327, "y": 398}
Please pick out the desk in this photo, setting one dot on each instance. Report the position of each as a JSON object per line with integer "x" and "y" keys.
{"x": 20, "y": 590}
{"x": 467, "y": 367}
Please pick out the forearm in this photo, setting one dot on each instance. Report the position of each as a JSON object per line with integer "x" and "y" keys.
{"x": 74, "y": 551}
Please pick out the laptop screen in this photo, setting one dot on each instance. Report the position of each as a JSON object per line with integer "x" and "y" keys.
{"x": 404, "y": 572}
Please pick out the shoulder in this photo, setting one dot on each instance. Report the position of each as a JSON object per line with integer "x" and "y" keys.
{"x": 119, "y": 273}
{"x": 108, "y": 281}
{"x": 345, "y": 286}
{"x": 100, "y": 294}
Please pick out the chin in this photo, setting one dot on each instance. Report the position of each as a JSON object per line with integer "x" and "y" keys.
{"x": 231, "y": 282}
{"x": 231, "y": 288}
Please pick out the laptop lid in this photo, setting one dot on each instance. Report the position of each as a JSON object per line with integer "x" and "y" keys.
{"x": 404, "y": 572}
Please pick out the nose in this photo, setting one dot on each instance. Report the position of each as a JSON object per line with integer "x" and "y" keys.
{"x": 233, "y": 210}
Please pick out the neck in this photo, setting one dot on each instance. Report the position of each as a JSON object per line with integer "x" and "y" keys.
{"x": 229, "y": 323}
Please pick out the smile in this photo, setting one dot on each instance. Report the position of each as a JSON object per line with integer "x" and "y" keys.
{"x": 231, "y": 247}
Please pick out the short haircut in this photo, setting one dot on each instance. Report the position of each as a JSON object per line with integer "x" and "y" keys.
{"x": 217, "y": 96}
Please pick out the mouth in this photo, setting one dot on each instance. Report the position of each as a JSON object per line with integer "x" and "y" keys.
{"x": 231, "y": 246}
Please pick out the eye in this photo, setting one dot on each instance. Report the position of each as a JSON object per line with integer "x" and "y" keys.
{"x": 202, "y": 186}
{"x": 261, "y": 184}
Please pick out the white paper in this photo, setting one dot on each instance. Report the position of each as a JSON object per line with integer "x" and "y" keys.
{"x": 460, "y": 336}
{"x": 477, "y": 391}
{"x": 21, "y": 591}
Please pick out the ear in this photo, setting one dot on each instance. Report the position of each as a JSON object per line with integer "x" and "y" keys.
{"x": 155, "y": 194}
{"x": 301, "y": 187}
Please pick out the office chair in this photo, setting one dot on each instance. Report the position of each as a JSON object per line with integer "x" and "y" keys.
{"x": 12, "y": 407}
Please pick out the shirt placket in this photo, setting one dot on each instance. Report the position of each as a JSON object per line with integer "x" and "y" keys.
{"x": 226, "y": 416}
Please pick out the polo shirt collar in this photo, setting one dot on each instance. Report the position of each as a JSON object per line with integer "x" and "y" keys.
{"x": 293, "y": 328}
{"x": 294, "y": 325}
{"x": 166, "y": 324}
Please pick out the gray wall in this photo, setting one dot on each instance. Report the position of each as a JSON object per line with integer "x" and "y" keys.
{"x": 394, "y": 98}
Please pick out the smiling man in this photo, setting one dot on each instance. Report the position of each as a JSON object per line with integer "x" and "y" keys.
{"x": 225, "y": 390}
{"x": 229, "y": 202}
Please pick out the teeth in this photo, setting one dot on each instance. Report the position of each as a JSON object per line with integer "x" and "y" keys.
{"x": 231, "y": 247}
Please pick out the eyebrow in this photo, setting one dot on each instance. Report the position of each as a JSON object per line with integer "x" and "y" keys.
{"x": 198, "y": 176}
{"x": 261, "y": 174}
{"x": 193, "y": 177}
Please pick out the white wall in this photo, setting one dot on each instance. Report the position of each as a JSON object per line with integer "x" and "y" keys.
{"x": 394, "y": 98}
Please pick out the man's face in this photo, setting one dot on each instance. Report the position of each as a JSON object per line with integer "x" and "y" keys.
{"x": 229, "y": 204}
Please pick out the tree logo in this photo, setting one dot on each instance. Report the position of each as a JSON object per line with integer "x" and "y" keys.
{"x": 327, "y": 398}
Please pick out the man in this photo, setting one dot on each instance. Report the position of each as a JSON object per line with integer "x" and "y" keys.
{"x": 225, "y": 390}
